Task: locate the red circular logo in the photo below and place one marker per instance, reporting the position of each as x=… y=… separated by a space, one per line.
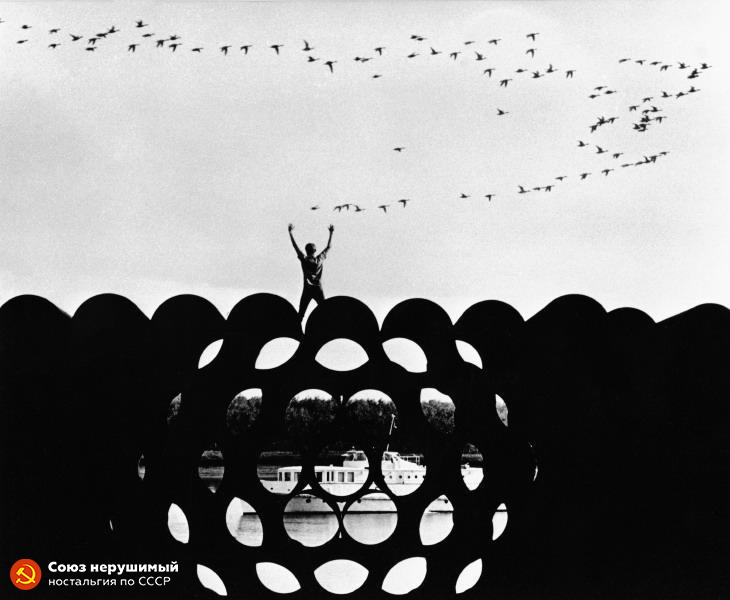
x=25 y=574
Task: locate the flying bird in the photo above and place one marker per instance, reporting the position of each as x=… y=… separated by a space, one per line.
x=399 y=148
x=245 y=48
x=384 y=207
x=413 y=55
x=75 y=38
x=26 y=26
x=379 y=50
x=307 y=47
x=606 y=171
x=488 y=71
x=159 y=43
x=54 y=46
x=561 y=177
x=174 y=46
x=276 y=47
x=523 y=190
x=617 y=154
x=469 y=42
x=112 y=29
x=495 y=41
x=132 y=47
x=501 y=112
x=463 y=196
x=531 y=52
x=504 y=82
x=141 y=23
x=311 y=58
x=581 y=144
x=224 y=49
x=330 y=64
x=21 y=41
x=532 y=36
x=600 y=150
x=435 y=52
x=376 y=76
x=569 y=73
x=489 y=196
x=454 y=55
x=404 y=201
x=198 y=50
x=584 y=175
x=54 y=30
x=623 y=60
x=314 y=207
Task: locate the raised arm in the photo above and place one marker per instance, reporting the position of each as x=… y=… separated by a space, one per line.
x=329 y=240
x=293 y=241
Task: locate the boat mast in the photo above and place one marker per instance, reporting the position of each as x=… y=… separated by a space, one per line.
x=392 y=424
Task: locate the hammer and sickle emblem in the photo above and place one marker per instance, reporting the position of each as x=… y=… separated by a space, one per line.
x=28 y=578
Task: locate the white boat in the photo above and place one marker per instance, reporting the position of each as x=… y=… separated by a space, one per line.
x=402 y=475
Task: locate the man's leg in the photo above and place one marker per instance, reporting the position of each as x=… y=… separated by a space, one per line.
x=304 y=302
x=317 y=294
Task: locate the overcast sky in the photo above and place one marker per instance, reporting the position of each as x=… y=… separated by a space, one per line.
x=155 y=173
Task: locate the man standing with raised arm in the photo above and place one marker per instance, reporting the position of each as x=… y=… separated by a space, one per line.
x=311 y=270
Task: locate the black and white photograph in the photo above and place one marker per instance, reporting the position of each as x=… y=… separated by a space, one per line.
x=365 y=299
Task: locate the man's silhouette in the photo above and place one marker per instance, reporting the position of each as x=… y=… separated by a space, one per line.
x=311 y=270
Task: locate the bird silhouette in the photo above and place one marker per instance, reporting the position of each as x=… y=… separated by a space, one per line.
x=623 y=60
x=633 y=107
x=146 y=35
x=488 y=71
x=532 y=36
x=132 y=47
x=54 y=46
x=469 y=43
x=307 y=47
x=384 y=207
x=21 y=41
x=531 y=52
x=330 y=64
x=90 y=48
x=561 y=177
x=112 y=29
x=224 y=49
x=245 y=48
x=521 y=70
x=399 y=148
x=159 y=43
x=75 y=38
x=495 y=41
x=174 y=46
x=376 y=76
x=26 y=26
x=92 y=41
x=174 y=37
x=379 y=50
x=454 y=55
x=435 y=52
x=523 y=190
x=197 y=49
x=479 y=56
x=463 y=196
x=276 y=47
x=683 y=65
x=413 y=55
x=648 y=99
x=54 y=30
x=600 y=150
x=338 y=208
x=617 y=154
x=358 y=209
x=584 y=175
x=404 y=201
x=316 y=207
x=569 y=73
x=311 y=58
x=548 y=188
x=664 y=67
x=640 y=61
x=537 y=75
x=581 y=144
x=606 y=171
x=504 y=82
x=489 y=196
x=501 y=112
x=550 y=69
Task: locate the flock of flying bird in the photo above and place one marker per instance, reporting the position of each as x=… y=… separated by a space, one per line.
x=647 y=117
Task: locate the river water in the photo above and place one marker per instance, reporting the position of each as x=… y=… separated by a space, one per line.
x=315 y=529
